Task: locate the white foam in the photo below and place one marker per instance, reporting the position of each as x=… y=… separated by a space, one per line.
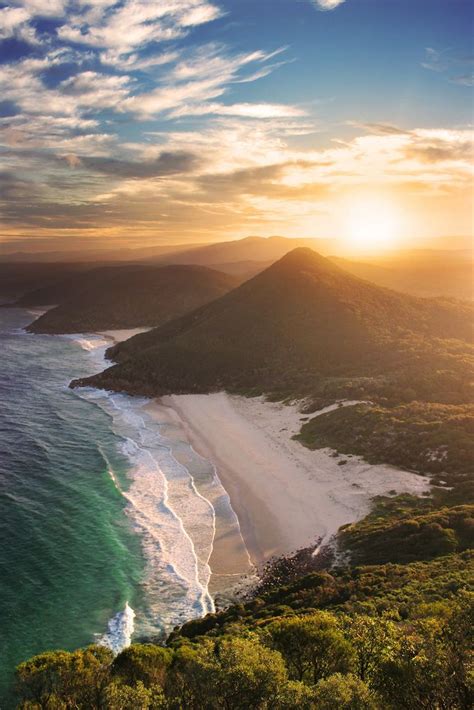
x=175 y=521
x=88 y=343
x=175 y=517
x=119 y=630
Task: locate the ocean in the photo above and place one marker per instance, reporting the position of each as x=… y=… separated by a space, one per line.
x=107 y=515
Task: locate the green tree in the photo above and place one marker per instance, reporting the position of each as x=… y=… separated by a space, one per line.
x=372 y=639
x=76 y=679
x=143 y=662
x=313 y=646
x=294 y=694
x=52 y=702
x=119 y=696
x=344 y=692
x=457 y=640
x=411 y=678
x=193 y=676
x=231 y=673
x=433 y=665
x=251 y=674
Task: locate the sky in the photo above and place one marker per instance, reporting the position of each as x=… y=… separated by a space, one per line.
x=144 y=122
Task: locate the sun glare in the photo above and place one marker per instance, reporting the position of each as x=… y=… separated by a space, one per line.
x=371 y=225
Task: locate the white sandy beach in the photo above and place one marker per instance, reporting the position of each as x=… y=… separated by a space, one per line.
x=285 y=495
x=118 y=336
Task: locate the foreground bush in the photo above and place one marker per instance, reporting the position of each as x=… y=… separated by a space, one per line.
x=317 y=659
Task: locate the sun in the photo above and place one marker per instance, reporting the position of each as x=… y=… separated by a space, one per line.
x=371 y=225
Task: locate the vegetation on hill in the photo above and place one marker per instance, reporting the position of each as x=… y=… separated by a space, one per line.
x=126 y=297
x=390 y=625
x=406 y=529
x=305 y=328
x=422 y=436
x=301 y=321
x=402 y=592
x=324 y=641
x=18 y=279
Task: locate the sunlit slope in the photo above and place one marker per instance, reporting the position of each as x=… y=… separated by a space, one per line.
x=421 y=273
x=300 y=320
x=128 y=297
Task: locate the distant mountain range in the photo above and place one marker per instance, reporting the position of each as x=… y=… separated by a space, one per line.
x=128 y=254
x=418 y=272
x=299 y=320
x=249 y=248
x=115 y=297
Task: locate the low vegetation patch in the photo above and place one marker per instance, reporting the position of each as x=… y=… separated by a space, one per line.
x=421 y=436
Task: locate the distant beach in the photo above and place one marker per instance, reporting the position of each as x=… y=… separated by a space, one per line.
x=117 y=336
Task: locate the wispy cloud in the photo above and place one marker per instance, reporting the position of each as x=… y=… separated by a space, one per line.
x=203 y=77
x=165 y=164
x=435 y=60
x=45 y=8
x=93 y=90
x=246 y=110
x=382 y=129
x=123 y=116
x=464 y=79
x=135 y=23
x=454 y=65
x=328 y=4
x=135 y=62
x=107 y=65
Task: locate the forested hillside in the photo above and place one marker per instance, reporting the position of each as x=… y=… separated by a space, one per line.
x=367 y=638
x=297 y=326
x=16 y=280
x=126 y=297
x=305 y=328
x=384 y=619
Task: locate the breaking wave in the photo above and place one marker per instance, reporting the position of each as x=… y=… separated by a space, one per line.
x=172 y=495
x=175 y=522
x=119 y=631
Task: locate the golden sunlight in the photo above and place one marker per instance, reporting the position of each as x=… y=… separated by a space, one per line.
x=371 y=225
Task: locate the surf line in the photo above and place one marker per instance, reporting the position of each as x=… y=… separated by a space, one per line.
x=136 y=450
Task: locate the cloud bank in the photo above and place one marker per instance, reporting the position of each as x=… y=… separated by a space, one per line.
x=124 y=119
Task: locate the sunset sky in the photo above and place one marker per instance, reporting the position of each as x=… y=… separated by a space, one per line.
x=158 y=121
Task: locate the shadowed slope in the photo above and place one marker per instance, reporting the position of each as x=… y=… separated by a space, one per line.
x=128 y=296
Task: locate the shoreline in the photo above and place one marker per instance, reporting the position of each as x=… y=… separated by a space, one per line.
x=283 y=496
x=286 y=496
x=229 y=560
x=121 y=334
x=248 y=505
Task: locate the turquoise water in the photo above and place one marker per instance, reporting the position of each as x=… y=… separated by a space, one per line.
x=69 y=559
x=102 y=503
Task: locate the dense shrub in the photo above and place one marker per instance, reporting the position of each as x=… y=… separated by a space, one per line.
x=313 y=660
